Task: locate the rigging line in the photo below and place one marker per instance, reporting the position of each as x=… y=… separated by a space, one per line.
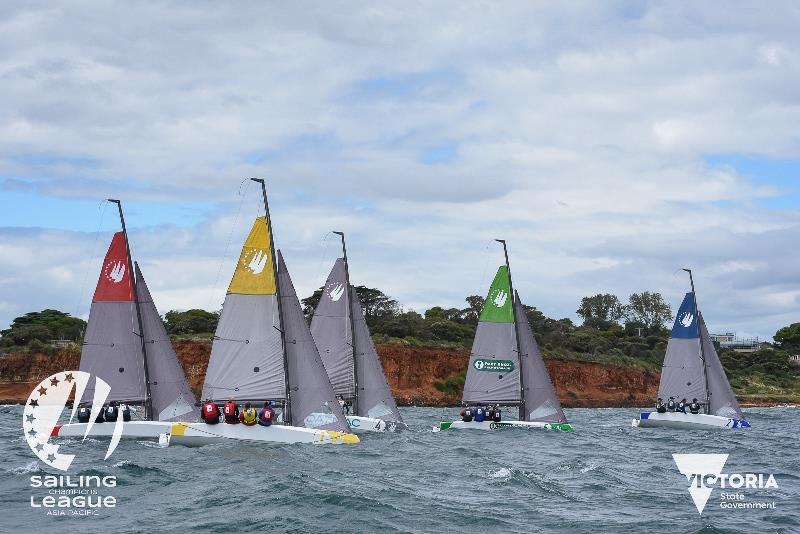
x=93 y=253
x=224 y=257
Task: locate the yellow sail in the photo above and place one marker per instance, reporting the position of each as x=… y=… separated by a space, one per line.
x=254 y=273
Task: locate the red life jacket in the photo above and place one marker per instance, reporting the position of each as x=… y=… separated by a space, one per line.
x=210 y=411
x=230 y=412
x=266 y=415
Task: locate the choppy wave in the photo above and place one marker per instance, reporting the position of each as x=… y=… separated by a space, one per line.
x=604 y=477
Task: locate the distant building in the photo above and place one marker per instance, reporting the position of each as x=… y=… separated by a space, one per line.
x=729 y=340
x=795 y=359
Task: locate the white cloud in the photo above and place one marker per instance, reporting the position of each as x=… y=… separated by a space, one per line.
x=579 y=132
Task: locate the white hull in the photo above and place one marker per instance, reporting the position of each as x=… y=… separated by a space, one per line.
x=687 y=421
x=194 y=434
x=361 y=425
x=491 y=425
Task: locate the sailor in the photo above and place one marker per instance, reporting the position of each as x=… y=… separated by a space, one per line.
x=101 y=416
x=480 y=413
x=210 y=412
x=231 y=412
x=671 y=404
x=660 y=408
x=125 y=410
x=466 y=414
x=682 y=405
x=343 y=404
x=248 y=416
x=694 y=407
x=266 y=415
x=84 y=413
x=490 y=412
x=496 y=415
x=111 y=413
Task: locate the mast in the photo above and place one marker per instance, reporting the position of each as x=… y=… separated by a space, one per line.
x=516 y=332
x=287 y=415
x=352 y=327
x=148 y=401
x=702 y=350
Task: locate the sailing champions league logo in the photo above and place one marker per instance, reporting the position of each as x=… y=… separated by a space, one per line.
x=704 y=473
x=499 y=298
x=255 y=261
x=686 y=319
x=45 y=405
x=115 y=271
x=335 y=291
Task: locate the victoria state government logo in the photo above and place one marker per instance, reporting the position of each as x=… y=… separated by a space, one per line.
x=45 y=405
x=704 y=473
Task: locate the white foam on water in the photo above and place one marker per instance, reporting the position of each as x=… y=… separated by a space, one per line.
x=590 y=467
x=503 y=472
x=31 y=467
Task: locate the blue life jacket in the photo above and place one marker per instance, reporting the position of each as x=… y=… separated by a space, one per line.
x=480 y=414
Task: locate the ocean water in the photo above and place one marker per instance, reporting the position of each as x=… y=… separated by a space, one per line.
x=605 y=477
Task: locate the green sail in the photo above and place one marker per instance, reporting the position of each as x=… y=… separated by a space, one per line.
x=497 y=308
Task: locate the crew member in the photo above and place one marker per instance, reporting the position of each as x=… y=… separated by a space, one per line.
x=101 y=416
x=479 y=413
x=466 y=414
x=231 y=412
x=660 y=408
x=111 y=413
x=671 y=404
x=694 y=407
x=266 y=415
x=84 y=414
x=125 y=410
x=248 y=416
x=682 y=406
x=210 y=412
x=496 y=415
x=490 y=413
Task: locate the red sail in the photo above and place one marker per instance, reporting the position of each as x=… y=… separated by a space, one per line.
x=115 y=277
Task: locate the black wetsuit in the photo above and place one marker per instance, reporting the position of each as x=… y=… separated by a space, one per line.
x=84 y=414
x=694 y=408
x=111 y=414
x=671 y=405
x=660 y=408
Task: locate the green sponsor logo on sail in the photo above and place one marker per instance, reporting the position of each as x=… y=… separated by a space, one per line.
x=494 y=366
x=497 y=307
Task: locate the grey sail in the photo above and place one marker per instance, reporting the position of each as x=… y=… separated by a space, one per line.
x=721 y=399
x=111 y=348
x=541 y=401
x=374 y=396
x=330 y=328
x=172 y=398
x=313 y=402
x=493 y=372
x=246 y=355
x=682 y=374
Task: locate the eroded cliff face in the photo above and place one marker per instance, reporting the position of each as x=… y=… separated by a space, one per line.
x=411 y=372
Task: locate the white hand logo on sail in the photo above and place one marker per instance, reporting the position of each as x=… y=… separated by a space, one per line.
x=258 y=260
x=500 y=298
x=686 y=320
x=337 y=292
x=117 y=271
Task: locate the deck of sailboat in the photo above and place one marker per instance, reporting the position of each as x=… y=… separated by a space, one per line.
x=687 y=421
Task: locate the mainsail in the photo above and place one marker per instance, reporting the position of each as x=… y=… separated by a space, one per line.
x=541 y=401
x=493 y=373
x=246 y=355
x=690 y=371
x=313 y=402
x=172 y=399
x=351 y=359
x=111 y=348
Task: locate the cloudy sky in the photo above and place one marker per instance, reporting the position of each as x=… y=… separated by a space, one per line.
x=611 y=144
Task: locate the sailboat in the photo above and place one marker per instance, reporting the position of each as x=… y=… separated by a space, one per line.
x=506 y=366
x=692 y=370
x=351 y=361
x=263 y=350
x=126 y=345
